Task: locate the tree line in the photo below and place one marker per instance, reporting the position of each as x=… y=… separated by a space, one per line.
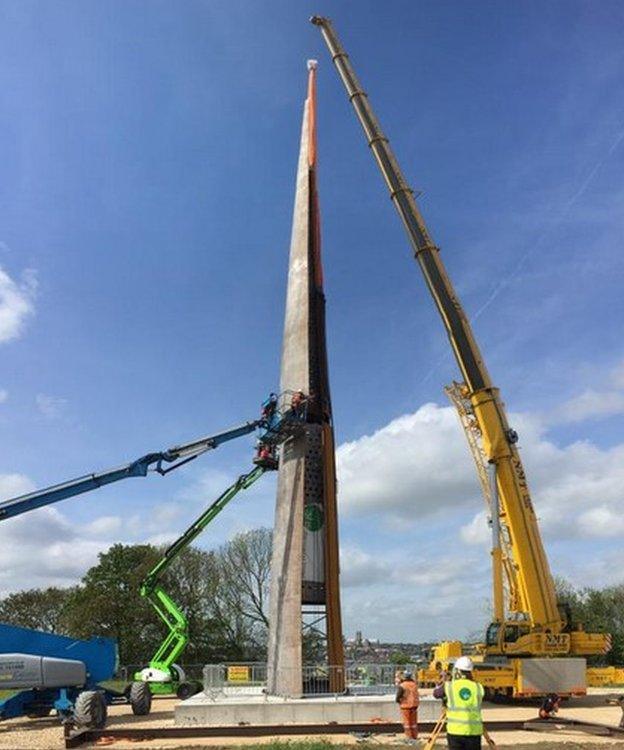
x=598 y=611
x=224 y=594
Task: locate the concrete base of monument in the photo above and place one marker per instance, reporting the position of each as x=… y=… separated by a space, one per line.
x=266 y=710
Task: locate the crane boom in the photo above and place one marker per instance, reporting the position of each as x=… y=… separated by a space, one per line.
x=536 y=588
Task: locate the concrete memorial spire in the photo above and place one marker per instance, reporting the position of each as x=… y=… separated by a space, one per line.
x=304 y=567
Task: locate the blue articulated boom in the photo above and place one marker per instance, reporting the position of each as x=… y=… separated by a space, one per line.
x=271 y=424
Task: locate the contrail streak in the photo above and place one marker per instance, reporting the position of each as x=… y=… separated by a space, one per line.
x=565 y=210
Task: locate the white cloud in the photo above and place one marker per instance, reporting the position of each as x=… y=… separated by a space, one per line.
x=617 y=376
x=158 y=540
x=359 y=568
x=601 y=522
x=476 y=531
x=409 y=595
x=415 y=466
x=104 y=525
x=42 y=548
x=52 y=407
x=419 y=464
x=605 y=401
x=12 y=485
x=4 y=394
x=591 y=404
x=16 y=303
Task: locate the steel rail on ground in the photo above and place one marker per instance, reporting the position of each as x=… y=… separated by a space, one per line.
x=145 y=734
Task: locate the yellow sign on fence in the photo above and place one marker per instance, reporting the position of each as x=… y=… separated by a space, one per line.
x=238 y=674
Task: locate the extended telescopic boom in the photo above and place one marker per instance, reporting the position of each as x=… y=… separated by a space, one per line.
x=273 y=424
x=139 y=468
x=537 y=592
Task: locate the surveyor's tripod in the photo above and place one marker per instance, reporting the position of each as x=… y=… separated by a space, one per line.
x=437 y=731
x=439 y=727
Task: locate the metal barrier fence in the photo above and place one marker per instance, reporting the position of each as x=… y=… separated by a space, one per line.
x=251 y=679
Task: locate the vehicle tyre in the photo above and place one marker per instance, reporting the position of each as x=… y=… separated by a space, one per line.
x=90 y=709
x=185 y=690
x=140 y=697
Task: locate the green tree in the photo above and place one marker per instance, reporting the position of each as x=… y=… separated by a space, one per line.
x=201 y=583
x=39 y=609
x=399 y=657
x=108 y=602
x=603 y=612
x=241 y=599
x=598 y=611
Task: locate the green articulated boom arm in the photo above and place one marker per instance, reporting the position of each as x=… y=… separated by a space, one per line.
x=167 y=609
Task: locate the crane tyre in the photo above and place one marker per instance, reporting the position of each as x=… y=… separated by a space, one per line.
x=90 y=709
x=140 y=698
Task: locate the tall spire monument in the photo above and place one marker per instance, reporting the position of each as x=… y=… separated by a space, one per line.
x=305 y=595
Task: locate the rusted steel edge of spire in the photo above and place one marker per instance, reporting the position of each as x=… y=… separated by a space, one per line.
x=312 y=65
x=335 y=651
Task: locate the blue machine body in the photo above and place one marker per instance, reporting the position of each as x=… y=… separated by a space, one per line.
x=98 y=654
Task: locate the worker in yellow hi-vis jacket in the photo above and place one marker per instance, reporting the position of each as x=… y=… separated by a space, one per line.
x=463 y=697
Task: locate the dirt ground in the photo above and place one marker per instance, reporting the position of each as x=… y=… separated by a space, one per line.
x=47 y=734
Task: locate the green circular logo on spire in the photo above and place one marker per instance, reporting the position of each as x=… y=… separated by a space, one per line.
x=313 y=517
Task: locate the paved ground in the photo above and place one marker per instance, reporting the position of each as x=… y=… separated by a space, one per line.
x=46 y=734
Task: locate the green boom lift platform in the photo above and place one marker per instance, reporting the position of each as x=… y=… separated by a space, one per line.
x=163 y=674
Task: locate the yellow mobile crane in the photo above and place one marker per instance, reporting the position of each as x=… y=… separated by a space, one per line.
x=505 y=596
x=530 y=623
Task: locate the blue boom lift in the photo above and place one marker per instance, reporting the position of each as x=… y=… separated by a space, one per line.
x=273 y=425
x=52 y=671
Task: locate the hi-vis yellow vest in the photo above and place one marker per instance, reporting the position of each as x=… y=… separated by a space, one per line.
x=463 y=707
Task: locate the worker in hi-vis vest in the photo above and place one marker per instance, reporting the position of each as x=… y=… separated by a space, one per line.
x=408 y=699
x=463 y=697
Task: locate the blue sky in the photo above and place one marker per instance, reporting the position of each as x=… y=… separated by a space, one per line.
x=148 y=153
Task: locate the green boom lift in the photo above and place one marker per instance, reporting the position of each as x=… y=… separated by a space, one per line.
x=162 y=674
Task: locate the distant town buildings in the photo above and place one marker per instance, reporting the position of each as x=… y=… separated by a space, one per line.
x=373 y=651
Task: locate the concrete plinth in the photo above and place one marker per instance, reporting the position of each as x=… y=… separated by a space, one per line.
x=201 y=710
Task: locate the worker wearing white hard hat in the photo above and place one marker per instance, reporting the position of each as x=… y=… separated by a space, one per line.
x=463 y=697
x=464 y=664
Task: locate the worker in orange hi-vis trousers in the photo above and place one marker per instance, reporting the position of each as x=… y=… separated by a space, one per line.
x=408 y=699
